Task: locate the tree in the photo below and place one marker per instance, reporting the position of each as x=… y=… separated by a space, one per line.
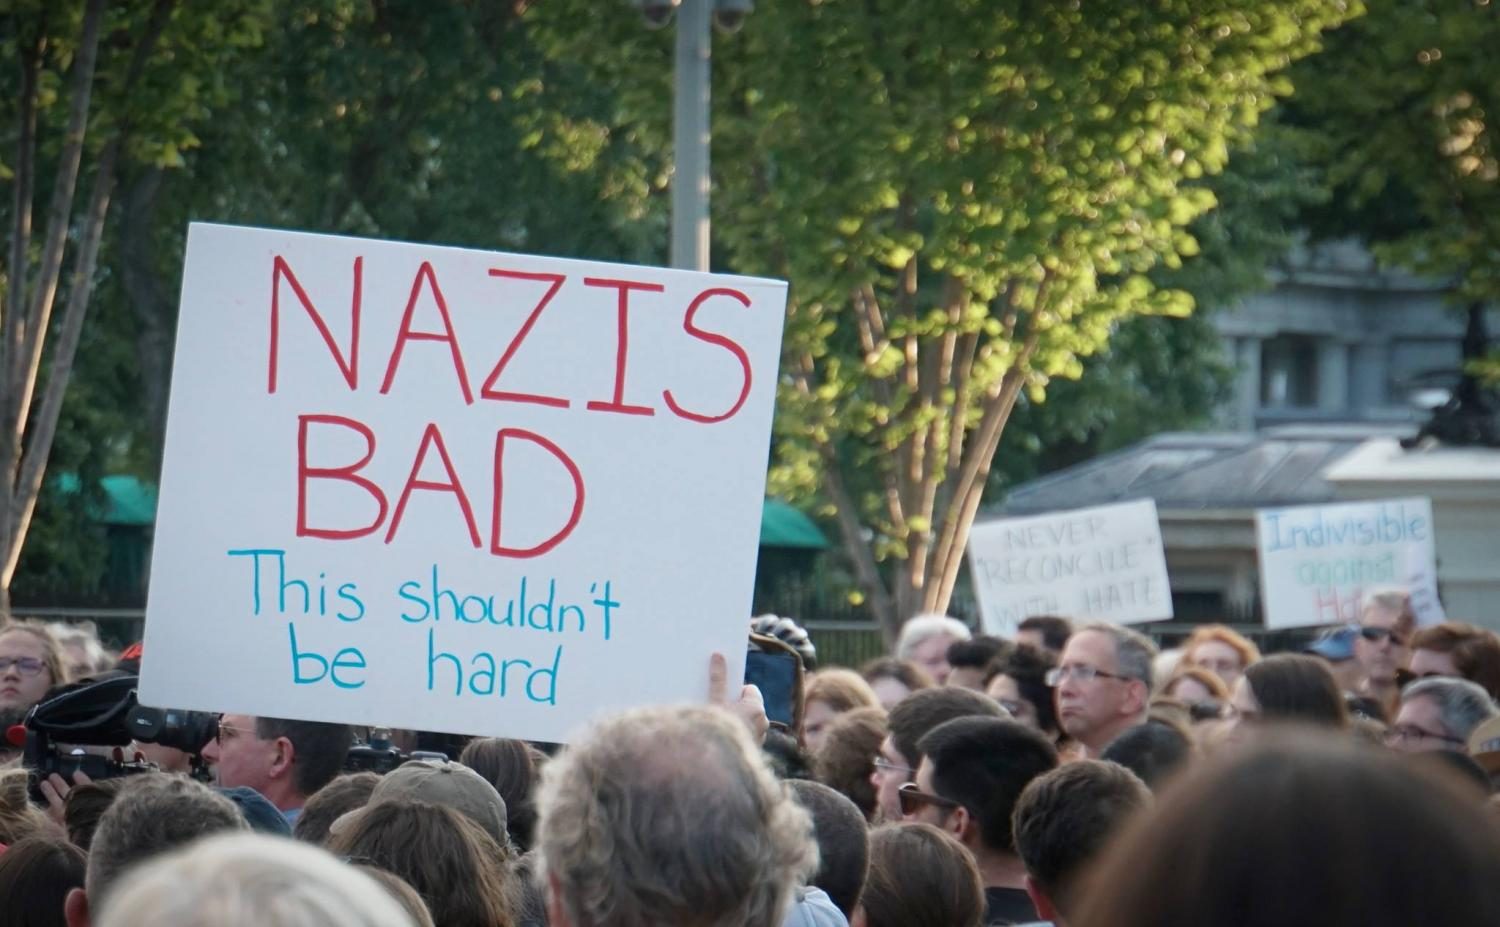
x=91 y=93
x=967 y=202
x=1406 y=113
x=1169 y=373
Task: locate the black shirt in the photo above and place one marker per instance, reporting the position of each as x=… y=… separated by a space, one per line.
x=1006 y=906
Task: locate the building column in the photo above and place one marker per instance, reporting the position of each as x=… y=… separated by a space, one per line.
x=1247 y=381
x=1333 y=376
x=1369 y=374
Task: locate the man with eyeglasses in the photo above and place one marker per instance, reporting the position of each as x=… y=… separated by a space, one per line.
x=1382 y=648
x=1439 y=714
x=1102 y=684
x=285 y=761
x=900 y=753
x=972 y=774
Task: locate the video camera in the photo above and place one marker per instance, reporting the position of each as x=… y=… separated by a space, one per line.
x=104 y=712
x=378 y=755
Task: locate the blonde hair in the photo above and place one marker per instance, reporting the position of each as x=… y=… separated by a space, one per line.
x=1393 y=599
x=19 y=818
x=86 y=635
x=240 y=880
x=51 y=648
x=840 y=689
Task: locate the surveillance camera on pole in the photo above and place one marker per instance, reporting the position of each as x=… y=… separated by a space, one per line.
x=656 y=13
x=729 y=15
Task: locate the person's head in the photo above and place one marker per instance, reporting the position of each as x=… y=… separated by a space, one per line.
x=1462 y=650
x=669 y=817
x=973 y=772
x=439 y=782
x=82 y=653
x=85 y=807
x=1287 y=832
x=893 y=680
x=843 y=842
x=1193 y=685
x=1383 y=647
x=451 y=862
x=1063 y=822
x=151 y=815
x=1018 y=681
x=286 y=761
x=30 y=664
x=901 y=753
x=1047 y=633
x=845 y=762
x=1220 y=650
x=1155 y=752
x=924 y=641
x=830 y=693
x=1289 y=688
x=920 y=876
x=968 y=660
x=509 y=766
x=331 y=802
x=1102 y=684
x=19 y=818
x=36 y=876
x=1439 y=713
x=250 y=880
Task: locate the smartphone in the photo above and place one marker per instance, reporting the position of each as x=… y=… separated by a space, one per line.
x=775 y=674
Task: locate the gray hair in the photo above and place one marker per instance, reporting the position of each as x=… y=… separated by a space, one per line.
x=251 y=880
x=918 y=629
x=1134 y=651
x=154 y=813
x=1462 y=705
x=671 y=817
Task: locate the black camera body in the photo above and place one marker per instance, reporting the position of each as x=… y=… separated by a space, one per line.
x=378 y=755
x=104 y=712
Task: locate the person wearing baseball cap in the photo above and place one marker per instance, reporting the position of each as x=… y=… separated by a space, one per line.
x=439 y=782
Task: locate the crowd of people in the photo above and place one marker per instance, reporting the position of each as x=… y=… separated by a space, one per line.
x=1073 y=775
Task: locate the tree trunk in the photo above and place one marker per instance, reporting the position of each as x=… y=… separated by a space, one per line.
x=26 y=321
x=149 y=300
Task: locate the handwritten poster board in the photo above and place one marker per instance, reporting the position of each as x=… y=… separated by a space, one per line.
x=1317 y=561
x=454 y=490
x=1096 y=564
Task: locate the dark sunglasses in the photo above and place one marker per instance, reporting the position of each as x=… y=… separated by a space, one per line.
x=913 y=799
x=1376 y=635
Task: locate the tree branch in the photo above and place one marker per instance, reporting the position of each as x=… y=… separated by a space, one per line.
x=946 y=565
x=34 y=462
x=28 y=359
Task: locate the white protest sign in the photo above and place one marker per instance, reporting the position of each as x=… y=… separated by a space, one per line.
x=454 y=490
x=1097 y=564
x=1317 y=561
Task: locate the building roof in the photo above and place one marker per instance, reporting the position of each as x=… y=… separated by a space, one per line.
x=1199 y=471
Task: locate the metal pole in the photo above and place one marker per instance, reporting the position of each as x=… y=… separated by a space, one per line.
x=690 y=136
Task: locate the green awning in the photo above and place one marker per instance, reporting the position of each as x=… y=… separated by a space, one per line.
x=128 y=501
x=781 y=525
x=131 y=502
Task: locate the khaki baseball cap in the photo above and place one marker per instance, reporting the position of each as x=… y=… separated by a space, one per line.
x=1484 y=745
x=439 y=782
